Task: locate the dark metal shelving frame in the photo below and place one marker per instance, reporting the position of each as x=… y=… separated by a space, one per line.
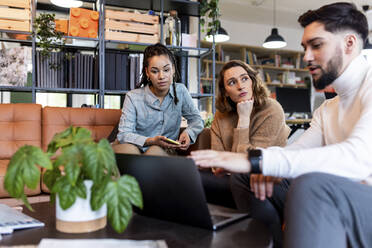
x=183 y=7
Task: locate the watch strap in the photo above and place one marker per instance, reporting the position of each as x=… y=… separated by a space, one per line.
x=255 y=159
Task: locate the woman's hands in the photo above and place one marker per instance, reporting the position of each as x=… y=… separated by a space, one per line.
x=161 y=141
x=244 y=110
x=185 y=141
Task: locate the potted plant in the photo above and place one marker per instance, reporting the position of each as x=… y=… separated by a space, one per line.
x=73 y=159
x=210 y=14
x=48 y=38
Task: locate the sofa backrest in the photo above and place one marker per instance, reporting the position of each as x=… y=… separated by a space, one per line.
x=16 y=121
x=20 y=124
x=99 y=121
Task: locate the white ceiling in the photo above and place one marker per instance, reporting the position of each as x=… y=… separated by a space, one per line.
x=261 y=11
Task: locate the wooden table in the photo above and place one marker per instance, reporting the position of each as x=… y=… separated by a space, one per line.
x=246 y=233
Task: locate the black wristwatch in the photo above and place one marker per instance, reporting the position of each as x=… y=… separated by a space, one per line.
x=255 y=158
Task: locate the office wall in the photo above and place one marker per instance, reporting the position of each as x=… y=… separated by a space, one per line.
x=254 y=34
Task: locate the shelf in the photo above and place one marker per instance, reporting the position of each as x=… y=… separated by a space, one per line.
x=286 y=85
x=270 y=84
x=256 y=49
x=269 y=67
x=15 y=39
x=15 y=88
x=200 y=95
x=183 y=7
x=67 y=90
x=26 y=42
x=14 y=31
x=81 y=38
x=116 y=92
x=128 y=42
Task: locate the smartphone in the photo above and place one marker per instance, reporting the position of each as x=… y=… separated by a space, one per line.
x=172 y=141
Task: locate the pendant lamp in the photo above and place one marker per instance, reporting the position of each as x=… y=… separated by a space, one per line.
x=67 y=3
x=220 y=36
x=274 y=40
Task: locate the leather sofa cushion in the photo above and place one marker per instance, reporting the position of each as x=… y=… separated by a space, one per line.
x=20 y=124
x=99 y=121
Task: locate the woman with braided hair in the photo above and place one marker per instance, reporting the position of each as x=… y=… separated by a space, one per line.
x=153 y=112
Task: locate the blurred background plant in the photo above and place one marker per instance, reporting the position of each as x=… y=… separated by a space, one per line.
x=209 y=15
x=208 y=121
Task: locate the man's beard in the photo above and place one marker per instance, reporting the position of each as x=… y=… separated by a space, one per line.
x=327 y=77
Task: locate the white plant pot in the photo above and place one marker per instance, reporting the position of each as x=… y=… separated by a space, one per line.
x=80 y=218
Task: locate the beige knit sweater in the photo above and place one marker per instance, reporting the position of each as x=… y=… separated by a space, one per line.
x=267 y=128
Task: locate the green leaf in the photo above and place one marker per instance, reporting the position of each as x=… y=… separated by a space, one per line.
x=67 y=193
x=70 y=136
x=99 y=160
x=130 y=187
x=98 y=194
x=120 y=195
x=71 y=158
x=119 y=210
x=92 y=168
x=80 y=189
x=51 y=176
x=23 y=170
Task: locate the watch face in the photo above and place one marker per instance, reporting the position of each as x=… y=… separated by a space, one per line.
x=255 y=153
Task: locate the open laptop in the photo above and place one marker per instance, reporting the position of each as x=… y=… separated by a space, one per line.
x=172 y=190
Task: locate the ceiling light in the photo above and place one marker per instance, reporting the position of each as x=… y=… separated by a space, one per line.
x=67 y=3
x=220 y=36
x=274 y=40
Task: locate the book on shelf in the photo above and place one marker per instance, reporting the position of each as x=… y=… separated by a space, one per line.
x=50 y=70
x=249 y=58
x=298 y=61
x=116 y=70
x=278 y=60
x=267 y=77
x=261 y=73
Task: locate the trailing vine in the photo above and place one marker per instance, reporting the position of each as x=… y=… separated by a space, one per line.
x=209 y=15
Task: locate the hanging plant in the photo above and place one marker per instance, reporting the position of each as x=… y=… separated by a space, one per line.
x=209 y=15
x=49 y=39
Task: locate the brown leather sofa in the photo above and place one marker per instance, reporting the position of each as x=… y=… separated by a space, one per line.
x=31 y=124
x=25 y=123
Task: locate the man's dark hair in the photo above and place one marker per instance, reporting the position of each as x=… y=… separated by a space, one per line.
x=338 y=17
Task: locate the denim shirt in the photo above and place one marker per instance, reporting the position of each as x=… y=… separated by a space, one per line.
x=143 y=116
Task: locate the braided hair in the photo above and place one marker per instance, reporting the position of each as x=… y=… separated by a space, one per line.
x=157 y=50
